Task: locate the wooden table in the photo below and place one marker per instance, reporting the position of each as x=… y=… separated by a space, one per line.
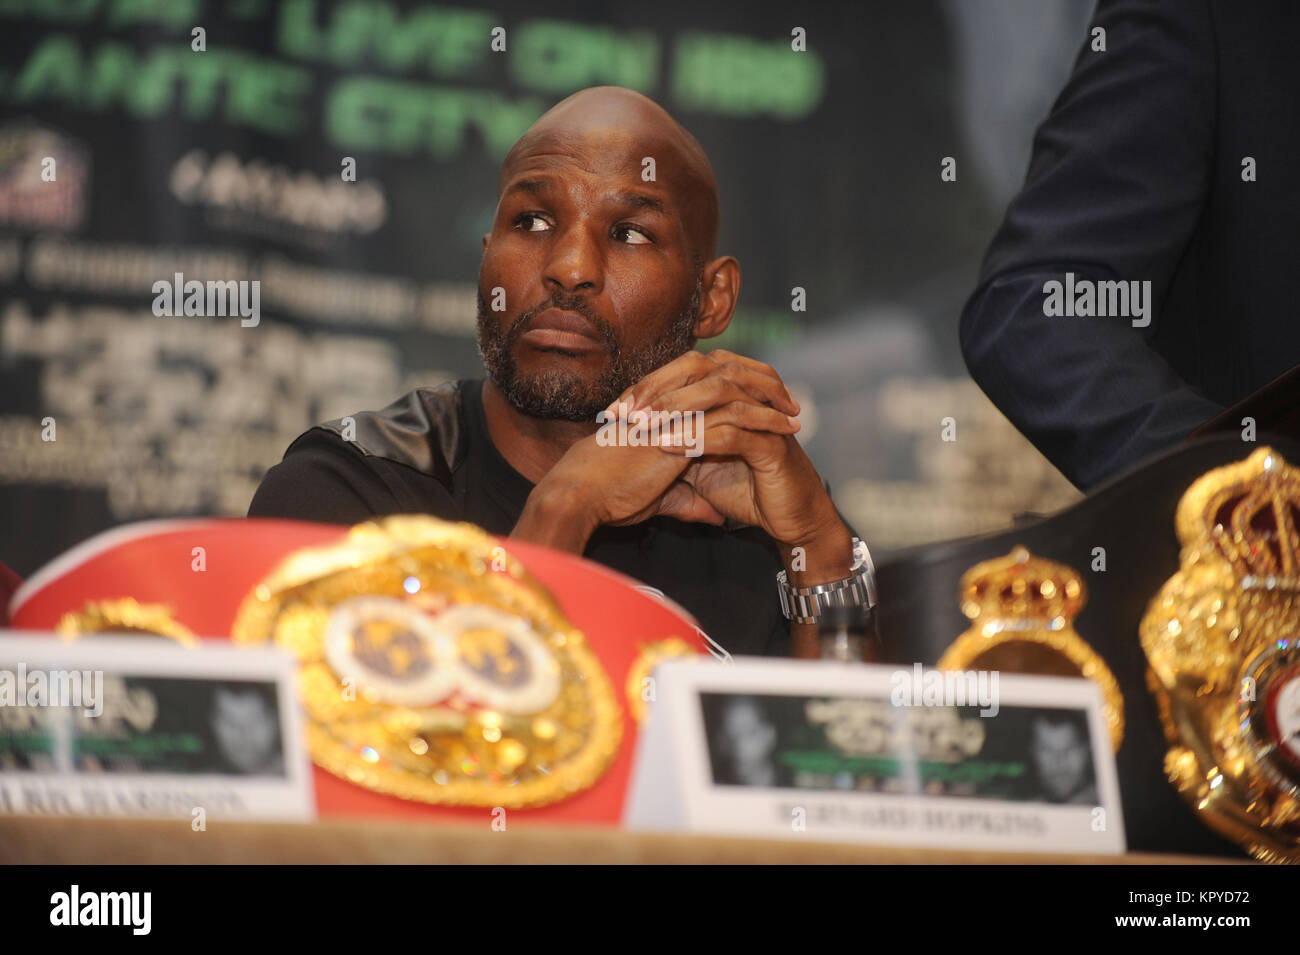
x=84 y=841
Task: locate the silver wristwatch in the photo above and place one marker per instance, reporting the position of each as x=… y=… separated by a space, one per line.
x=808 y=604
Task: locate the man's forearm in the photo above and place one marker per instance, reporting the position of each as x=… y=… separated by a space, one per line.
x=555 y=518
x=1090 y=394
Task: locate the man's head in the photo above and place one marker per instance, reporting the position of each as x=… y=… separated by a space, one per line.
x=245 y=728
x=1061 y=755
x=749 y=737
x=605 y=272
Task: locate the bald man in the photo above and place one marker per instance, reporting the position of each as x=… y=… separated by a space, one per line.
x=595 y=285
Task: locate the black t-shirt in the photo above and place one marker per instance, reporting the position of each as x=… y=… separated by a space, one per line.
x=430 y=453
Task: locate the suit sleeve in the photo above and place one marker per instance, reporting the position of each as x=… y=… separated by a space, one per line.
x=325 y=479
x=1118 y=178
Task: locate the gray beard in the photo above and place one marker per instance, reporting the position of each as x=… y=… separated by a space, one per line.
x=564 y=395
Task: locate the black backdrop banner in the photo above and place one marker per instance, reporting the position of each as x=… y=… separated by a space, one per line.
x=344 y=156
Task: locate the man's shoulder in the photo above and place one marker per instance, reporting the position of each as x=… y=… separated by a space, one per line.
x=424 y=430
x=371 y=463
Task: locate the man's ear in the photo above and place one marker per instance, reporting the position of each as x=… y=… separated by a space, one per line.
x=486 y=237
x=718 y=301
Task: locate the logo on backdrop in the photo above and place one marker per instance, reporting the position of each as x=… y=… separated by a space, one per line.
x=44 y=179
x=257 y=197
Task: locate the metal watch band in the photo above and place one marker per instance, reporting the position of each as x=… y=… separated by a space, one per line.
x=808 y=604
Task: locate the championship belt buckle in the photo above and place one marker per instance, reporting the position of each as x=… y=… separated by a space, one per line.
x=432 y=667
x=1022 y=609
x=1221 y=640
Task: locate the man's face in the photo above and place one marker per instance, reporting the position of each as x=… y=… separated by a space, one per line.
x=600 y=283
x=245 y=729
x=1062 y=758
x=751 y=736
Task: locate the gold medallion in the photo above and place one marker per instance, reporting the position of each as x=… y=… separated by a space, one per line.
x=1022 y=611
x=433 y=667
x=1221 y=641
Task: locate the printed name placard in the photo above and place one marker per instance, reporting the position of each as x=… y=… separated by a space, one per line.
x=877 y=754
x=127 y=726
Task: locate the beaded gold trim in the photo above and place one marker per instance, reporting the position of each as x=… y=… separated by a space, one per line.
x=651 y=655
x=125 y=616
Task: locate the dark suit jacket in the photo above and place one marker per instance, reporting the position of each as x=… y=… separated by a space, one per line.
x=1137 y=175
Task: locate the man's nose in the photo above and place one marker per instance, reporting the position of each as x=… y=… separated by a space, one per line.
x=575 y=263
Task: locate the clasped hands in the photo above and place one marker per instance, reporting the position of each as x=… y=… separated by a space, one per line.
x=744 y=465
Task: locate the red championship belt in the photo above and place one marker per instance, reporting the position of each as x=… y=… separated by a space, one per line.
x=443 y=672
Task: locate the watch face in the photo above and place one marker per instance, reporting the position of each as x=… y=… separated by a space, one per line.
x=862 y=563
x=1270 y=712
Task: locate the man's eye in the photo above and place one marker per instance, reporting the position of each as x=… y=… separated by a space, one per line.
x=631 y=235
x=532 y=222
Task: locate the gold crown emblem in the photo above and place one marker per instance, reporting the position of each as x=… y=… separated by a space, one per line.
x=1248 y=513
x=1022 y=611
x=1238 y=576
x=1022 y=588
x=1220 y=638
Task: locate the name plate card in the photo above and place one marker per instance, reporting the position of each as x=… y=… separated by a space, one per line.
x=126 y=726
x=877 y=754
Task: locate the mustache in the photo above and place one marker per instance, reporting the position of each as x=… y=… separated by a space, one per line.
x=568 y=303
